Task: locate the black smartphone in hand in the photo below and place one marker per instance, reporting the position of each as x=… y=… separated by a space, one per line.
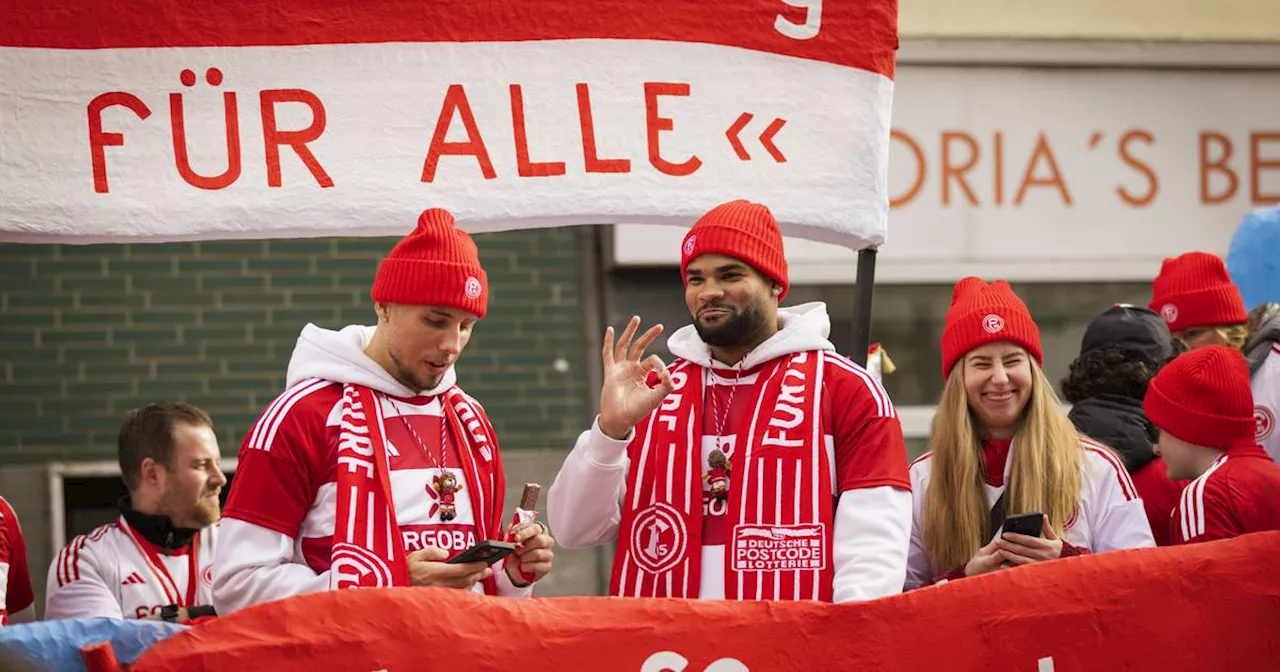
x=1029 y=524
x=487 y=551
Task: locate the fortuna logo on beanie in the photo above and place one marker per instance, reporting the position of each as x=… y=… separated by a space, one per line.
x=983 y=313
x=1194 y=290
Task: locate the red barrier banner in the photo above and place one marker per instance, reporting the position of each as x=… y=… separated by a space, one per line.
x=1213 y=606
x=168 y=120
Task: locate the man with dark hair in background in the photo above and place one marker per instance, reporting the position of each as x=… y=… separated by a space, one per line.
x=154 y=561
x=1122 y=350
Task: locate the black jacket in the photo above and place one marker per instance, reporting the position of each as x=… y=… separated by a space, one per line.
x=158 y=530
x=1120 y=423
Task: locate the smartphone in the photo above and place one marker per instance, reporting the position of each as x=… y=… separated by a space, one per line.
x=1029 y=524
x=487 y=551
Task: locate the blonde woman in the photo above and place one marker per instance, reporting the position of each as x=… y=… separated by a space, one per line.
x=1201 y=306
x=1001 y=446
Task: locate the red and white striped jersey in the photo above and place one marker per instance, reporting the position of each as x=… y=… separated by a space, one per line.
x=115 y=572
x=15 y=579
x=1110 y=517
x=1238 y=494
x=857 y=410
x=286 y=478
x=1266 y=403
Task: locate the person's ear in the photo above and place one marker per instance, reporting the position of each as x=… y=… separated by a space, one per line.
x=149 y=471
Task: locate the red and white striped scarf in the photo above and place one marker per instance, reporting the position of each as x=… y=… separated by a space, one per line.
x=780 y=502
x=368 y=551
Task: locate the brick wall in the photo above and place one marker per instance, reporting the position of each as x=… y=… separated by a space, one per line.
x=89 y=332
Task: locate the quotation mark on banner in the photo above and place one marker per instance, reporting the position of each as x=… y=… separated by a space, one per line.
x=766 y=138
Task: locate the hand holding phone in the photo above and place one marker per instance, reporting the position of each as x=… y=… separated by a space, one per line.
x=1037 y=541
x=429 y=566
x=487 y=551
x=1029 y=524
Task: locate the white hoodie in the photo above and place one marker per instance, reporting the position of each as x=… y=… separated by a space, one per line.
x=872 y=524
x=339 y=356
x=255 y=563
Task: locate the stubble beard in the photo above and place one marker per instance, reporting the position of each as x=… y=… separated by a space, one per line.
x=206 y=512
x=409 y=378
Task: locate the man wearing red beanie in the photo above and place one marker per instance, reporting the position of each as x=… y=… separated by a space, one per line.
x=1202 y=405
x=761 y=465
x=1203 y=307
x=374 y=468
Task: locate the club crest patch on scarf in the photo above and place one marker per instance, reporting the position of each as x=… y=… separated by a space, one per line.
x=659 y=538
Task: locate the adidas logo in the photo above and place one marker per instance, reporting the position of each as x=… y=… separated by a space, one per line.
x=134 y=579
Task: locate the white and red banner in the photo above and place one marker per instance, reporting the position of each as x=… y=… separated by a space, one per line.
x=166 y=120
x=1066 y=174
x=1212 y=606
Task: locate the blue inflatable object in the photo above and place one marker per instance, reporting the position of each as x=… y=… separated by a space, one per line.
x=55 y=645
x=1254 y=258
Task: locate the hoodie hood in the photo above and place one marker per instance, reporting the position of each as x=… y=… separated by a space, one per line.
x=804 y=327
x=339 y=356
x=1119 y=423
x=1264 y=330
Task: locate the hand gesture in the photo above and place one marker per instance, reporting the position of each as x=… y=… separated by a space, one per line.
x=532 y=558
x=625 y=396
x=987 y=559
x=427 y=567
x=1019 y=549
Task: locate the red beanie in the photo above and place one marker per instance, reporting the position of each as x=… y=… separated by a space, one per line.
x=1194 y=290
x=742 y=230
x=984 y=313
x=1203 y=397
x=435 y=265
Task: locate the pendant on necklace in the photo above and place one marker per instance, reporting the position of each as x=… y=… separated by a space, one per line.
x=718 y=474
x=444 y=485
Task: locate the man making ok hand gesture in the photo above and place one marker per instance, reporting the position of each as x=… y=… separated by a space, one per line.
x=626 y=396
x=761 y=465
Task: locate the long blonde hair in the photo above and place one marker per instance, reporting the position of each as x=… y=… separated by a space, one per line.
x=1045 y=475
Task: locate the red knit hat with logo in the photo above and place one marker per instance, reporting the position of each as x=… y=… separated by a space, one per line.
x=1194 y=290
x=983 y=313
x=437 y=264
x=1203 y=397
x=742 y=230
